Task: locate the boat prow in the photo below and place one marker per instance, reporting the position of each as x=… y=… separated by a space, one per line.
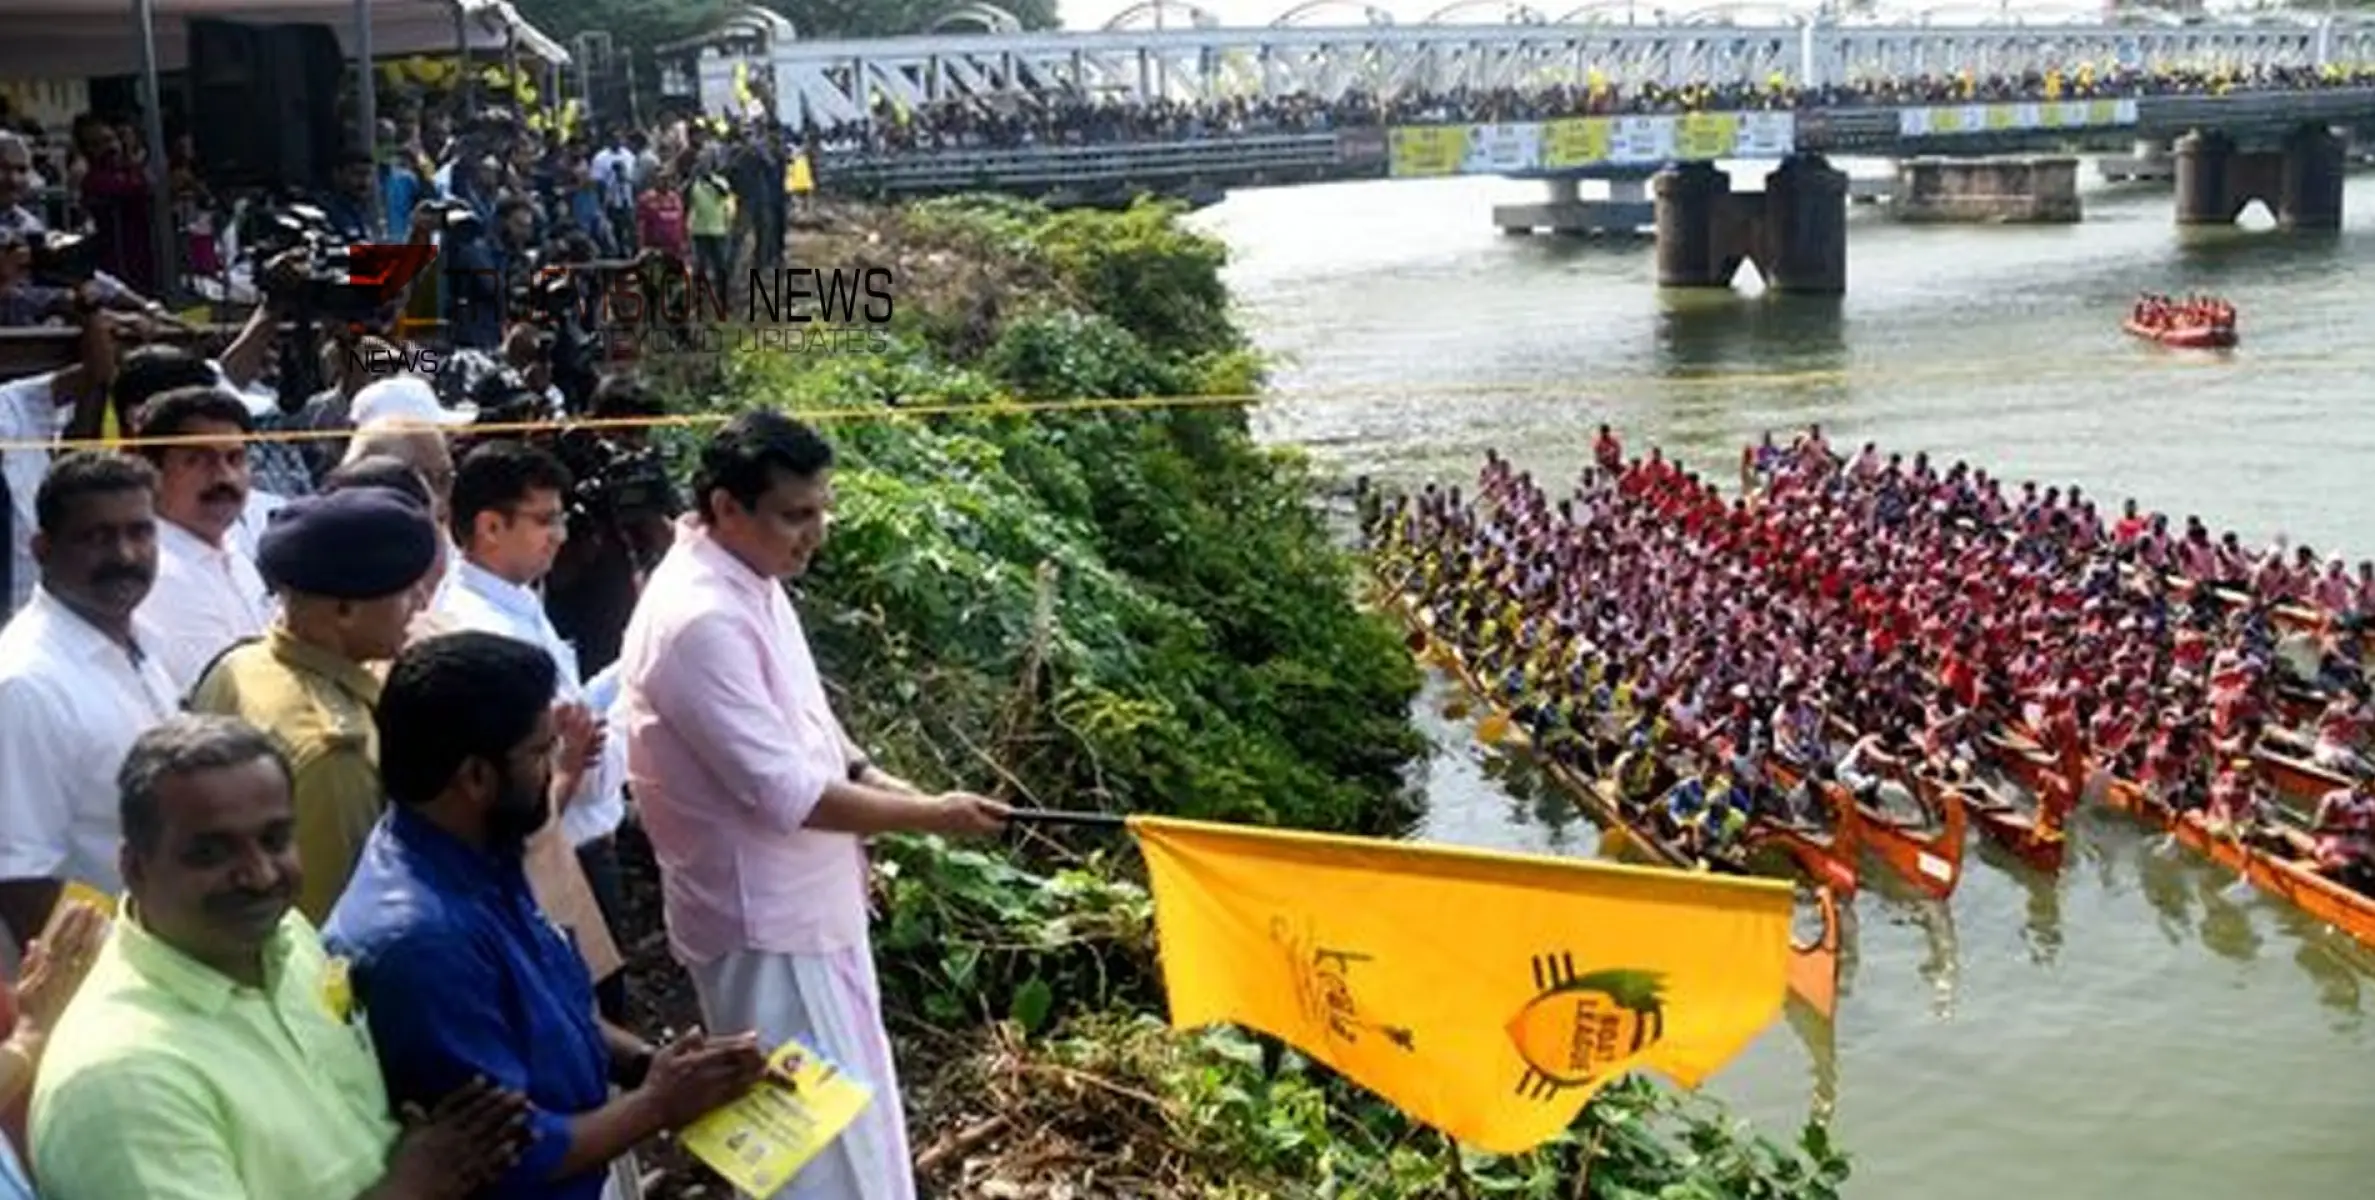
x=1814 y=966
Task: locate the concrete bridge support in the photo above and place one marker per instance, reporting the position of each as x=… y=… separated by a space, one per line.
x=2300 y=181
x=1795 y=231
x=1988 y=191
x=2150 y=163
x=1626 y=210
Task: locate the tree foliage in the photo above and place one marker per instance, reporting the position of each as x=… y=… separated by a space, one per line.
x=1134 y=608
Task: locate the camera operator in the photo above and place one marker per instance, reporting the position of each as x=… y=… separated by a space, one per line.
x=16 y=180
x=352 y=202
x=620 y=523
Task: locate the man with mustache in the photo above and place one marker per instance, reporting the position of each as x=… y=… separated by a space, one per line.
x=208 y=595
x=459 y=971
x=214 y=1050
x=346 y=566
x=78 y=681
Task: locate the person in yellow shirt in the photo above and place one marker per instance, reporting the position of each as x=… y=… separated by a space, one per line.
x=215 y=1049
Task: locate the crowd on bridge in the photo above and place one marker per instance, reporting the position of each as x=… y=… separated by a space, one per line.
x=1078 y=119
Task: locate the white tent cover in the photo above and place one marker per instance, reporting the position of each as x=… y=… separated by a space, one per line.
x=74 y=39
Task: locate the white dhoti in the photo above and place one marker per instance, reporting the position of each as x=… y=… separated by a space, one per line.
x=832 y=1003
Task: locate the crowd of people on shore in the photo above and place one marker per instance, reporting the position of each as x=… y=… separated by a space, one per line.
x=341 y=704
x=1909 y=612
x=1082 y=120
x=501 y=195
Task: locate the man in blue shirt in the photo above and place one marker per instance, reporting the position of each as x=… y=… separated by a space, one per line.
x=459 y=973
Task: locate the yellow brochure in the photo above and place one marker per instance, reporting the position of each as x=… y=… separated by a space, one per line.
x=761 y=1141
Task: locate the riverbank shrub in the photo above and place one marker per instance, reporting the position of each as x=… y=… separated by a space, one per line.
x=1131 y=608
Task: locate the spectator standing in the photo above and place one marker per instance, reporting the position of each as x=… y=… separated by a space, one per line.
x=459 y=972
x=755 y=799
x=208 y=594
x=214 y=1050
x=347 y=566
x=78 y=682
x=511 y=517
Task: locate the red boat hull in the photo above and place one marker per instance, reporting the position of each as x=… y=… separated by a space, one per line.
x=2185 y=337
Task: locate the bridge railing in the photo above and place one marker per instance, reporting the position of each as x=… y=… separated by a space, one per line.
x=1587 y=145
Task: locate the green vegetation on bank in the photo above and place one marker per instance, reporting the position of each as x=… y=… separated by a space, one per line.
x=1135 y=610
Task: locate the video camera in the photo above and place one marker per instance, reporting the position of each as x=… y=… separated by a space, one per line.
x=63 y=260
x=616 y=483
x=303 y=262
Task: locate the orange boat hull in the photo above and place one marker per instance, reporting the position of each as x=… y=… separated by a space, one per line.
x=1932 y=863
x=2030 y=837
x=2290 y=881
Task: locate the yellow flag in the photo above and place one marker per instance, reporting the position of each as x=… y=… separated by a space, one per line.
x=1488 y=995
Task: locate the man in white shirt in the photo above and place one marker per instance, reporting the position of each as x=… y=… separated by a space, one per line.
x=36 y=409
x=208 y=595
x=77 y=684
x=510 y=515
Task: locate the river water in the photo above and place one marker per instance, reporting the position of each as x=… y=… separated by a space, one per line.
x=2136 y=1027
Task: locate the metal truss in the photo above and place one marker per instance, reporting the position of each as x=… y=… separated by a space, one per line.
x=1167 y=49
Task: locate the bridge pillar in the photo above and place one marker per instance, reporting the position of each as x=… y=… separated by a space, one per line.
x=1795 y=230
x=2309 y=192
x=2300 y=182
x=1697 y=245
x=1805 y=228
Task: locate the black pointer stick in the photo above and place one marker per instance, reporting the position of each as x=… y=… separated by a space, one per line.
x=1050 y=816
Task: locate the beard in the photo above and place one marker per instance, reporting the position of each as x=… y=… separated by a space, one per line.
x=519 y=811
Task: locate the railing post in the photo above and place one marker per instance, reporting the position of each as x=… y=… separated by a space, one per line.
x=2325 y=41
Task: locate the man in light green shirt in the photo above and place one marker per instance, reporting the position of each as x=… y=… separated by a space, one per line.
x=214 y=1052
x=709 y=216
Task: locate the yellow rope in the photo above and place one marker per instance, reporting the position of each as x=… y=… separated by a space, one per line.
x=2088 y=369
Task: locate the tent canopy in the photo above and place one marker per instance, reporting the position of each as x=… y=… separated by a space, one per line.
x=74 y=39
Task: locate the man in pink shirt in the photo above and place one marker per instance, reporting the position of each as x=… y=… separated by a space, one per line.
x=755 y=799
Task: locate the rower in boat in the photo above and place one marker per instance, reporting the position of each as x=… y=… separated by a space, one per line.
x=2237 y=801
x=2344 y=829
x=2341 y=730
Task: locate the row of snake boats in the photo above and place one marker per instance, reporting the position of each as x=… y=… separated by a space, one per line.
x=1923 y=853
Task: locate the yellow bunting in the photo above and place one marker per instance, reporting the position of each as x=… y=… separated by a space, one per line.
x=1487 y=995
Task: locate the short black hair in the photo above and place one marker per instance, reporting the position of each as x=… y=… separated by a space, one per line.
x=624 y=395
x=746 y=453
x=455 y=697
x=381 y=471
x=170 y=414
x=496 y=475
x=180 y=745
x=154 y=370
x=87 y=473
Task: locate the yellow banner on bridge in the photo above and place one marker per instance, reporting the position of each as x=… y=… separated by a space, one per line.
x=1705 y=136
x=1419 y=151
x=1575 y=142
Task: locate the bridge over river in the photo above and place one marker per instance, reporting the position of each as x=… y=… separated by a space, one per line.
x=1794 y=94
